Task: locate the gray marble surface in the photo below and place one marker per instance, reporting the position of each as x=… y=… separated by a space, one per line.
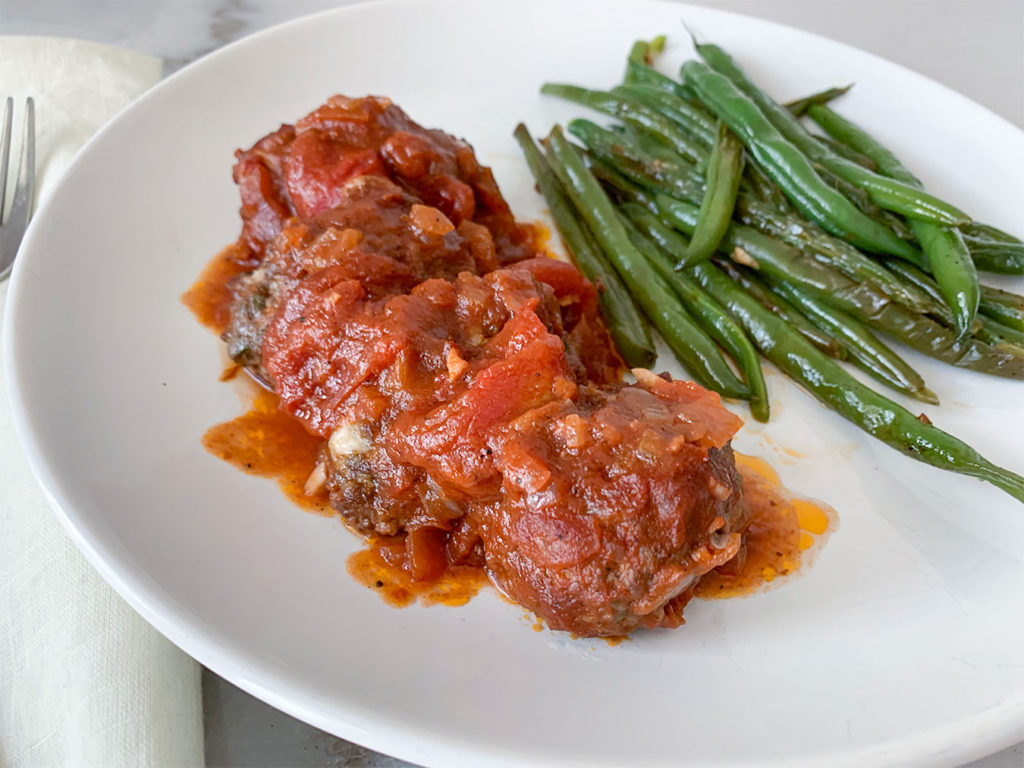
x=974 y=46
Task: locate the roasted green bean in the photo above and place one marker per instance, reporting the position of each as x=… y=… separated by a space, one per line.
x=994 y=250
x=948 y=258
x=889 y=193
x=788 y=167
x=1007 y=308
x=826 y=380
x=691 y=345
x=798 y=107
x=863 y=348
x=691 y=118
x=779 y=261
x=630 y=111
x=625 y=323
x=725 y=169
x=674 y=176
x=715 y=320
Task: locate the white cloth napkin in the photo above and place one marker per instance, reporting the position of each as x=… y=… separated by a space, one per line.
x=84 y=681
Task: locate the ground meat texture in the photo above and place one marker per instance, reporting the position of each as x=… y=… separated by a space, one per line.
x=469 y=396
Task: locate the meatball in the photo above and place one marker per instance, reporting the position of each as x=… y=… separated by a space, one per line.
x=597 y=505
x=301 y=170
x=405 y=387
x=614 y=506
x=375 y=235
x=468 y=394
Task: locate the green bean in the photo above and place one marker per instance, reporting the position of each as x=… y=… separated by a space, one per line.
x=749 y=280
x=645 y=84
x=640 y=72
x=798 y=107
x=1003 y=334
x=918 y=331
x=639 y=53
x=661 y=173
x=863 y=348
x=630 y=111
x=850 y=154
x=673 y=175
x=723 y=183
x=657 y=215
x=862 y=200
x=656 y=45
x=616 y=184
x=950 y=261
x=645 y=75
x=690 y=344
x=985 y=244
x=935 y=340
x=674 y=244
x=754 y=249
x=987 y=332
x=953 y=269
x=788 y=167
x=837 y=253
x=977 y=230
x=802 y=235
x=863 y=300
x=993 y=250
x=712 y=318
x=767 y=190
x=828 y=382
x=650 y=143
x=626 y=325
x=894 y=195
x=997 y=260
x=852 y=135
x=661 y=160
x=1007 y=308
x=691 y=118
x=927 y=285
x=642 y=52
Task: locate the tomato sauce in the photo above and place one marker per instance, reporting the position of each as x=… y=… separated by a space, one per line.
x=456 y=398
x=378 y=567
x=776 y=544
x=267 y=442
x=209 y=298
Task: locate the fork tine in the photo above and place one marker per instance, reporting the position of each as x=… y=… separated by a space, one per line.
x=21 y=203
x=5 y=151
x=12 y=230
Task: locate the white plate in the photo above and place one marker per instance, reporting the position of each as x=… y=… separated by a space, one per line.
x=903 y=644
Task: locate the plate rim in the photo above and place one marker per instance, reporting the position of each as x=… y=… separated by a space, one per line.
x=989 y=730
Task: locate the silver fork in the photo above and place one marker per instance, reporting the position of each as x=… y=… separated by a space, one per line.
x=20 y=209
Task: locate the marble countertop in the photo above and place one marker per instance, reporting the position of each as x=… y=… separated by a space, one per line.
x=974 y=46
